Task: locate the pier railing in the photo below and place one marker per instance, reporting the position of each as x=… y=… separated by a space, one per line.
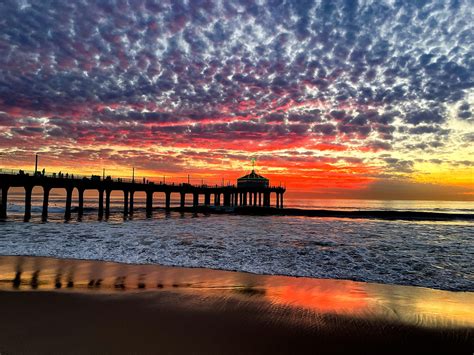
x=171 y=181
x=232 y=195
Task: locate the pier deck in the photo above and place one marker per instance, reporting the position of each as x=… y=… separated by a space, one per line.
x=224 y=195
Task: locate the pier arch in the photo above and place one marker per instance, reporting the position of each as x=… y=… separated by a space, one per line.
x=93 y=192
x=118 y=201
x=175 y=199
x=158 y=199
x=139 y=201
x=12 y=201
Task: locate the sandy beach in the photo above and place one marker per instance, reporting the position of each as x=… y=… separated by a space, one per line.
x=70 y=306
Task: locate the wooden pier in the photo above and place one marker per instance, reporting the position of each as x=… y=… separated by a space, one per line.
x=224 y=196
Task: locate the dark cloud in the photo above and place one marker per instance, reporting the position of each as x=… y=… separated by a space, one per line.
x=379 y=145
x=274 y=117
x=234 y=69
x=326 y=129
x=397 y=165
x=469 y=137
x=428 y=129
x=465 y=111
x=425 y=116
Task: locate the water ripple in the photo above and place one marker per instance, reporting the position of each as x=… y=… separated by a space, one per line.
x=431 y=254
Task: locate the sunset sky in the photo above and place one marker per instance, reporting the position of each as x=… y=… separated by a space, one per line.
x=364 y=99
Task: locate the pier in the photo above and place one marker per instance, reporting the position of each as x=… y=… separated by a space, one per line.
x=225 y=196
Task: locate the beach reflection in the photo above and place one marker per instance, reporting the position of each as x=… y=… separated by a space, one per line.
x=409 y=305
x=328 y=296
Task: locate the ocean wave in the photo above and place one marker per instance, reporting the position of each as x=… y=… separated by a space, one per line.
x=14 y=208
x=434 y=254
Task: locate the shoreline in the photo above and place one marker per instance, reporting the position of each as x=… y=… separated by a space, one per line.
x=389 y=215
x=96 y=307
x=365 y=214
x=217 y=270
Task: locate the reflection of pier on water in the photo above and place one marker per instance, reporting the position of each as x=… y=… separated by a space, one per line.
x=46 y=274
x=411 y=305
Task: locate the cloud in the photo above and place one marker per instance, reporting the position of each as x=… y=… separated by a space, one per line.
x=429 y=129
x=425 y=116
x=406 y=189
x=465 y=111
x=267 y=74
x=397 y=165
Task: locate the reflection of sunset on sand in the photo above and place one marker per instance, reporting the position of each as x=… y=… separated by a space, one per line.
x=325 y=296
x=236 y=177
x=399 y=304
x=103 y=307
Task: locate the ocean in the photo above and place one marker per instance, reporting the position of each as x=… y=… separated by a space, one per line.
x=418 y=253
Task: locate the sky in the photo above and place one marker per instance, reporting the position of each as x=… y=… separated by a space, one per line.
x=334 y=98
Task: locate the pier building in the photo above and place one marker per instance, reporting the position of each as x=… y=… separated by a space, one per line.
x=251 y=190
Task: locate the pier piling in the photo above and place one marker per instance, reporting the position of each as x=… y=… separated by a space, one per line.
x=149 y=203
x=3 y=206
x=131 y=202
x=101 y=204
x=107 y=203
x=228 y=196
x=28 y=192
x=182 y=200
x=168 y=200
x=67 y=213
x=80 y=207
x=44 y=214
x=125 y=203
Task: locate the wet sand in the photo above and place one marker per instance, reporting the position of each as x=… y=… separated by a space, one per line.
x=70 y=306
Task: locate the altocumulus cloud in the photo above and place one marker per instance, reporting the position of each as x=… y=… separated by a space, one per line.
x=361 y=74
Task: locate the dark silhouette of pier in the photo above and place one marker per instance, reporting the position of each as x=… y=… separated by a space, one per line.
x=226 y=196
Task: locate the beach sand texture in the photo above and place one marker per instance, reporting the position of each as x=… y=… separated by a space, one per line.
x=72 y=306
